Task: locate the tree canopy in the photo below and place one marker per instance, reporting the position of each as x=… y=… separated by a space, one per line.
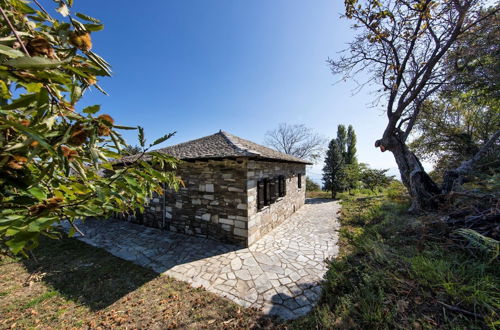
x=60 y=161
x=334 y=176
x=404 y=46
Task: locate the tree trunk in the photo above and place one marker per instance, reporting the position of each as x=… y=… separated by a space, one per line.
x=453 y=179
x=334 y=194
x=423 y=190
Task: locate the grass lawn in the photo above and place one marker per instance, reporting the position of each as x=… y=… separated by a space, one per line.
x=72 y=284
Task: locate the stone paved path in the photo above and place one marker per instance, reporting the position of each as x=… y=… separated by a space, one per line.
x=280 y=273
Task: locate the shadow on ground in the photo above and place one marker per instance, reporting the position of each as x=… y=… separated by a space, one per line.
x=154 y=248
x=294 y=303
x=99 y=276
x=86 y=274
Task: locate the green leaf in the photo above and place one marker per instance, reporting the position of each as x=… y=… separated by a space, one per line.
x=21 y=6
x=142 y=140
x=80 y=188
x=76 y=93
x=35 y=63
x=92 y=109
x=16 y=245
x=11 y=52
x=41 y=223
x=99 y=62
x=33 y=87
x=94 y=27
x=4 y=90
x=88 y=18
x=32 y=134
x=107 y=166
x=20 y=241
x=21 y=102
x=125 y=127
x=162 y=139
x=38 y=193
x=115 y=141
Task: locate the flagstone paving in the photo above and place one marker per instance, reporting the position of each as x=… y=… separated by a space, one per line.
x=280 y=273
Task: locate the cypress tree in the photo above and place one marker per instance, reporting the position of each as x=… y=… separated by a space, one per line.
x=351 y=146
x=342 y=140
x=333 y=171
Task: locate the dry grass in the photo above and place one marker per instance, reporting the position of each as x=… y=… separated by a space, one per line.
x=72 y=284
x=318 y=194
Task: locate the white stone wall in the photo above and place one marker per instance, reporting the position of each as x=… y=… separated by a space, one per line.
x=260 y=222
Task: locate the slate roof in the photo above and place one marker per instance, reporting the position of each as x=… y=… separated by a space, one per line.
x=223 y=145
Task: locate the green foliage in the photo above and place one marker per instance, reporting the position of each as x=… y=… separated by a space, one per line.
x=334 y=177
x=375 y=178
x=396 y=191
x=457 y=279
x=311 y=185
x=452 y=128
x=353 y=176
x=480 y=244
x=343 y=174
x=130 y=150
x=350 y=155
x=59 y=162
x=473 y=64
x=342 y=139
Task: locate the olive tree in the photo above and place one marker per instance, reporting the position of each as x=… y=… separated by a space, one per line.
x=57 y=159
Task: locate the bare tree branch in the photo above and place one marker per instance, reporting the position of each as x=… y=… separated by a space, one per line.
x=296 y=140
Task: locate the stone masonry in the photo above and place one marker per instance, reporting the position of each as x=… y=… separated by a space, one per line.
x=260 y=222
x=219 y=200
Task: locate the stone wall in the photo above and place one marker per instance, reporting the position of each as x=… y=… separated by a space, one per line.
x=219 y=200
x=260 y=222
x=212 y=203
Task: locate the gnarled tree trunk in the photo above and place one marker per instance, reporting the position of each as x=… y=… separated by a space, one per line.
x=423 y=190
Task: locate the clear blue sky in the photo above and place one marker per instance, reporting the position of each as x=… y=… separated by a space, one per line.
x=197 y=66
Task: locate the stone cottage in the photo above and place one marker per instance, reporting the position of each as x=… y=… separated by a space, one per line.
x=235 y=190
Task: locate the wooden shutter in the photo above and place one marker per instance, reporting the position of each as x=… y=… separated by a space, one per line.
x=299 y=182
x=267 y=192
x=260 y=194
x=282 y=186
x=273 y=189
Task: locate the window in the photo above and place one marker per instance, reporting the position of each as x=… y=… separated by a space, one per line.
x=299 y=180
x=269 y=190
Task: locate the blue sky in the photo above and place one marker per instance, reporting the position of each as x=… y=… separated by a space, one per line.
x=197 y=66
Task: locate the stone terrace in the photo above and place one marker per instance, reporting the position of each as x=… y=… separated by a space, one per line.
x=281 y=273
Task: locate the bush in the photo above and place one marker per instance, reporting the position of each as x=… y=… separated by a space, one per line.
x=311 y=185
x=396 y=191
